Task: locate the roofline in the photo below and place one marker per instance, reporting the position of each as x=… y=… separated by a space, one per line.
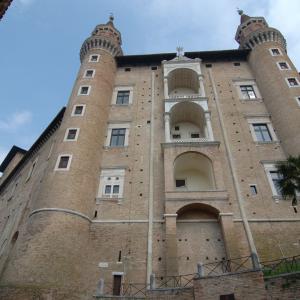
x=36 y=145
x=11 y=154
x=155 y=59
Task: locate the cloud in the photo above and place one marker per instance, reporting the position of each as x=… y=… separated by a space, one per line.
x=26 y=2
x=15 y=121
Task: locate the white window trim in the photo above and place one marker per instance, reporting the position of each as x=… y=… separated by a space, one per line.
x=58 y=160
x=266 y=121
x=278 y=65
x=268 y=168
x=292 y=86
x=79 y=90
x=85 y=72
x=74 y=108
x=32 y=167
x=122 y=88
x=105 y=173
x=94 y=61
x=115 y=126
x=76 y=136
x=270 y=50
x=298 y=100
x=252 y=82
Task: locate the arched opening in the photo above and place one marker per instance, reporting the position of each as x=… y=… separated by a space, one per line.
x=187 y=122
x=199 y=237
x=193 y=172
x=183 y=82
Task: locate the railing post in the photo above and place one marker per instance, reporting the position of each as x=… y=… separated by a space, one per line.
x=100 y=287
x=152 y=281
x=200 y=269
x=255 y=261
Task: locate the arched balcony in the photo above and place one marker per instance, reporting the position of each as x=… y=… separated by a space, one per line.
x=193 y=172
x=188 y=122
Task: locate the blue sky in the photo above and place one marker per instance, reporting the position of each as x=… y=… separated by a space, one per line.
x=40 y=42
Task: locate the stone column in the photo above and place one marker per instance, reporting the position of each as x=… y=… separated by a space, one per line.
x=201 y=85
x=167 y=128
x=208 y=126
x=171 y=240
x=166 y=89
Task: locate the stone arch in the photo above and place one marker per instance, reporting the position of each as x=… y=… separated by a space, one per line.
x=199 y=236
x=183 y=81
x=193 y=171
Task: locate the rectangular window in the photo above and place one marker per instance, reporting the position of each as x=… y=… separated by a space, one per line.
x=89 y=73
x=262 y=132
x=123 y=97
x=117 y=283
x=195 y=135
x=117 y=137
x=292 y=82
x=275 y=52
x=247 y=92
x=78 y=110
x=108 y=189
x=253 y=189
x=176 y=136
x=176 y=128
x=180 y=182
x=283 y=65
x=63 y=162
x=71 y=134
x=275 y=176
x=94 y=58
x=84 y=90
x=298 y=100
x=111 y=183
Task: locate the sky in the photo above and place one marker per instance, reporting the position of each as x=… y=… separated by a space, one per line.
x=40 y=43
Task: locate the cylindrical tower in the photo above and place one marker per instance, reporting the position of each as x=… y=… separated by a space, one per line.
x=276 y=76
x=53 y=240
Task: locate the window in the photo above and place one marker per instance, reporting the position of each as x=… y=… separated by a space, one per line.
x=180 y=183
x=282 y=65
x=63 y=162
x=111 y=183
x=176 y=128
x=89 y=73
x=195 y=135
x=94 y=58
x=117 y=135
x=292 y=82
x=236 y=64
x=275 y=51
x=262 y=132
x=273 y=178
x=123 y=97
x=176 y=136
x=84 y=90
x=127 y=69
x=78 y=110
x=253 y=189
x=247 y=92
x=71 y=134
x=298 y=100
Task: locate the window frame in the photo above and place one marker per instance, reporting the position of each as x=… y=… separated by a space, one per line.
x=56 y=168
x=281 y=62
x=248 y=92
x=271 y=52
x=111 y=177
x=74 y=109
x=260 y=135
x=88 y=77
x=118 y=136
x=247 y=82
x=260 y=120
x=298 y=100
x=122 y=89
x=94 y=61
x=123 y=96
x=292 y=86
x=271 y=167
x=67 y=133
x=80 y=90
x=112 y=126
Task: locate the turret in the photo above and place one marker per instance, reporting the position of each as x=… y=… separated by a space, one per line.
x=59 y=215
x=276 y=76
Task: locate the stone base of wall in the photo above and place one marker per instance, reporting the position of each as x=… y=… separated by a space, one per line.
x=244 y=286
x=286 y=286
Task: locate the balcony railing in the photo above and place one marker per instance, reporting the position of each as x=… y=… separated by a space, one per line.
x=189 y=96
x=191 y=140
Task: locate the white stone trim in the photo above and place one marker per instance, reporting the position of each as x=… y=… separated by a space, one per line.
x=298 y=100
x=262 y=120
x=239 y=82
x=74 y=108
x=90 y=58
x=76 y=135
x=268 y=168
x=278 y=65
x=118 y=273
x=202 y=103
x=58 y=160
x=292 y=86
x=122 y=88
x=270 y=50
x=115 y=126
x=82 y=86
x=85 y=73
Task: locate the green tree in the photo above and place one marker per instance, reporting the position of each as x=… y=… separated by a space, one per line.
x=289 y=182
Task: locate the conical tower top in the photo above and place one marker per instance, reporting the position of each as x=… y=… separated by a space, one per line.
x=104 y=36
